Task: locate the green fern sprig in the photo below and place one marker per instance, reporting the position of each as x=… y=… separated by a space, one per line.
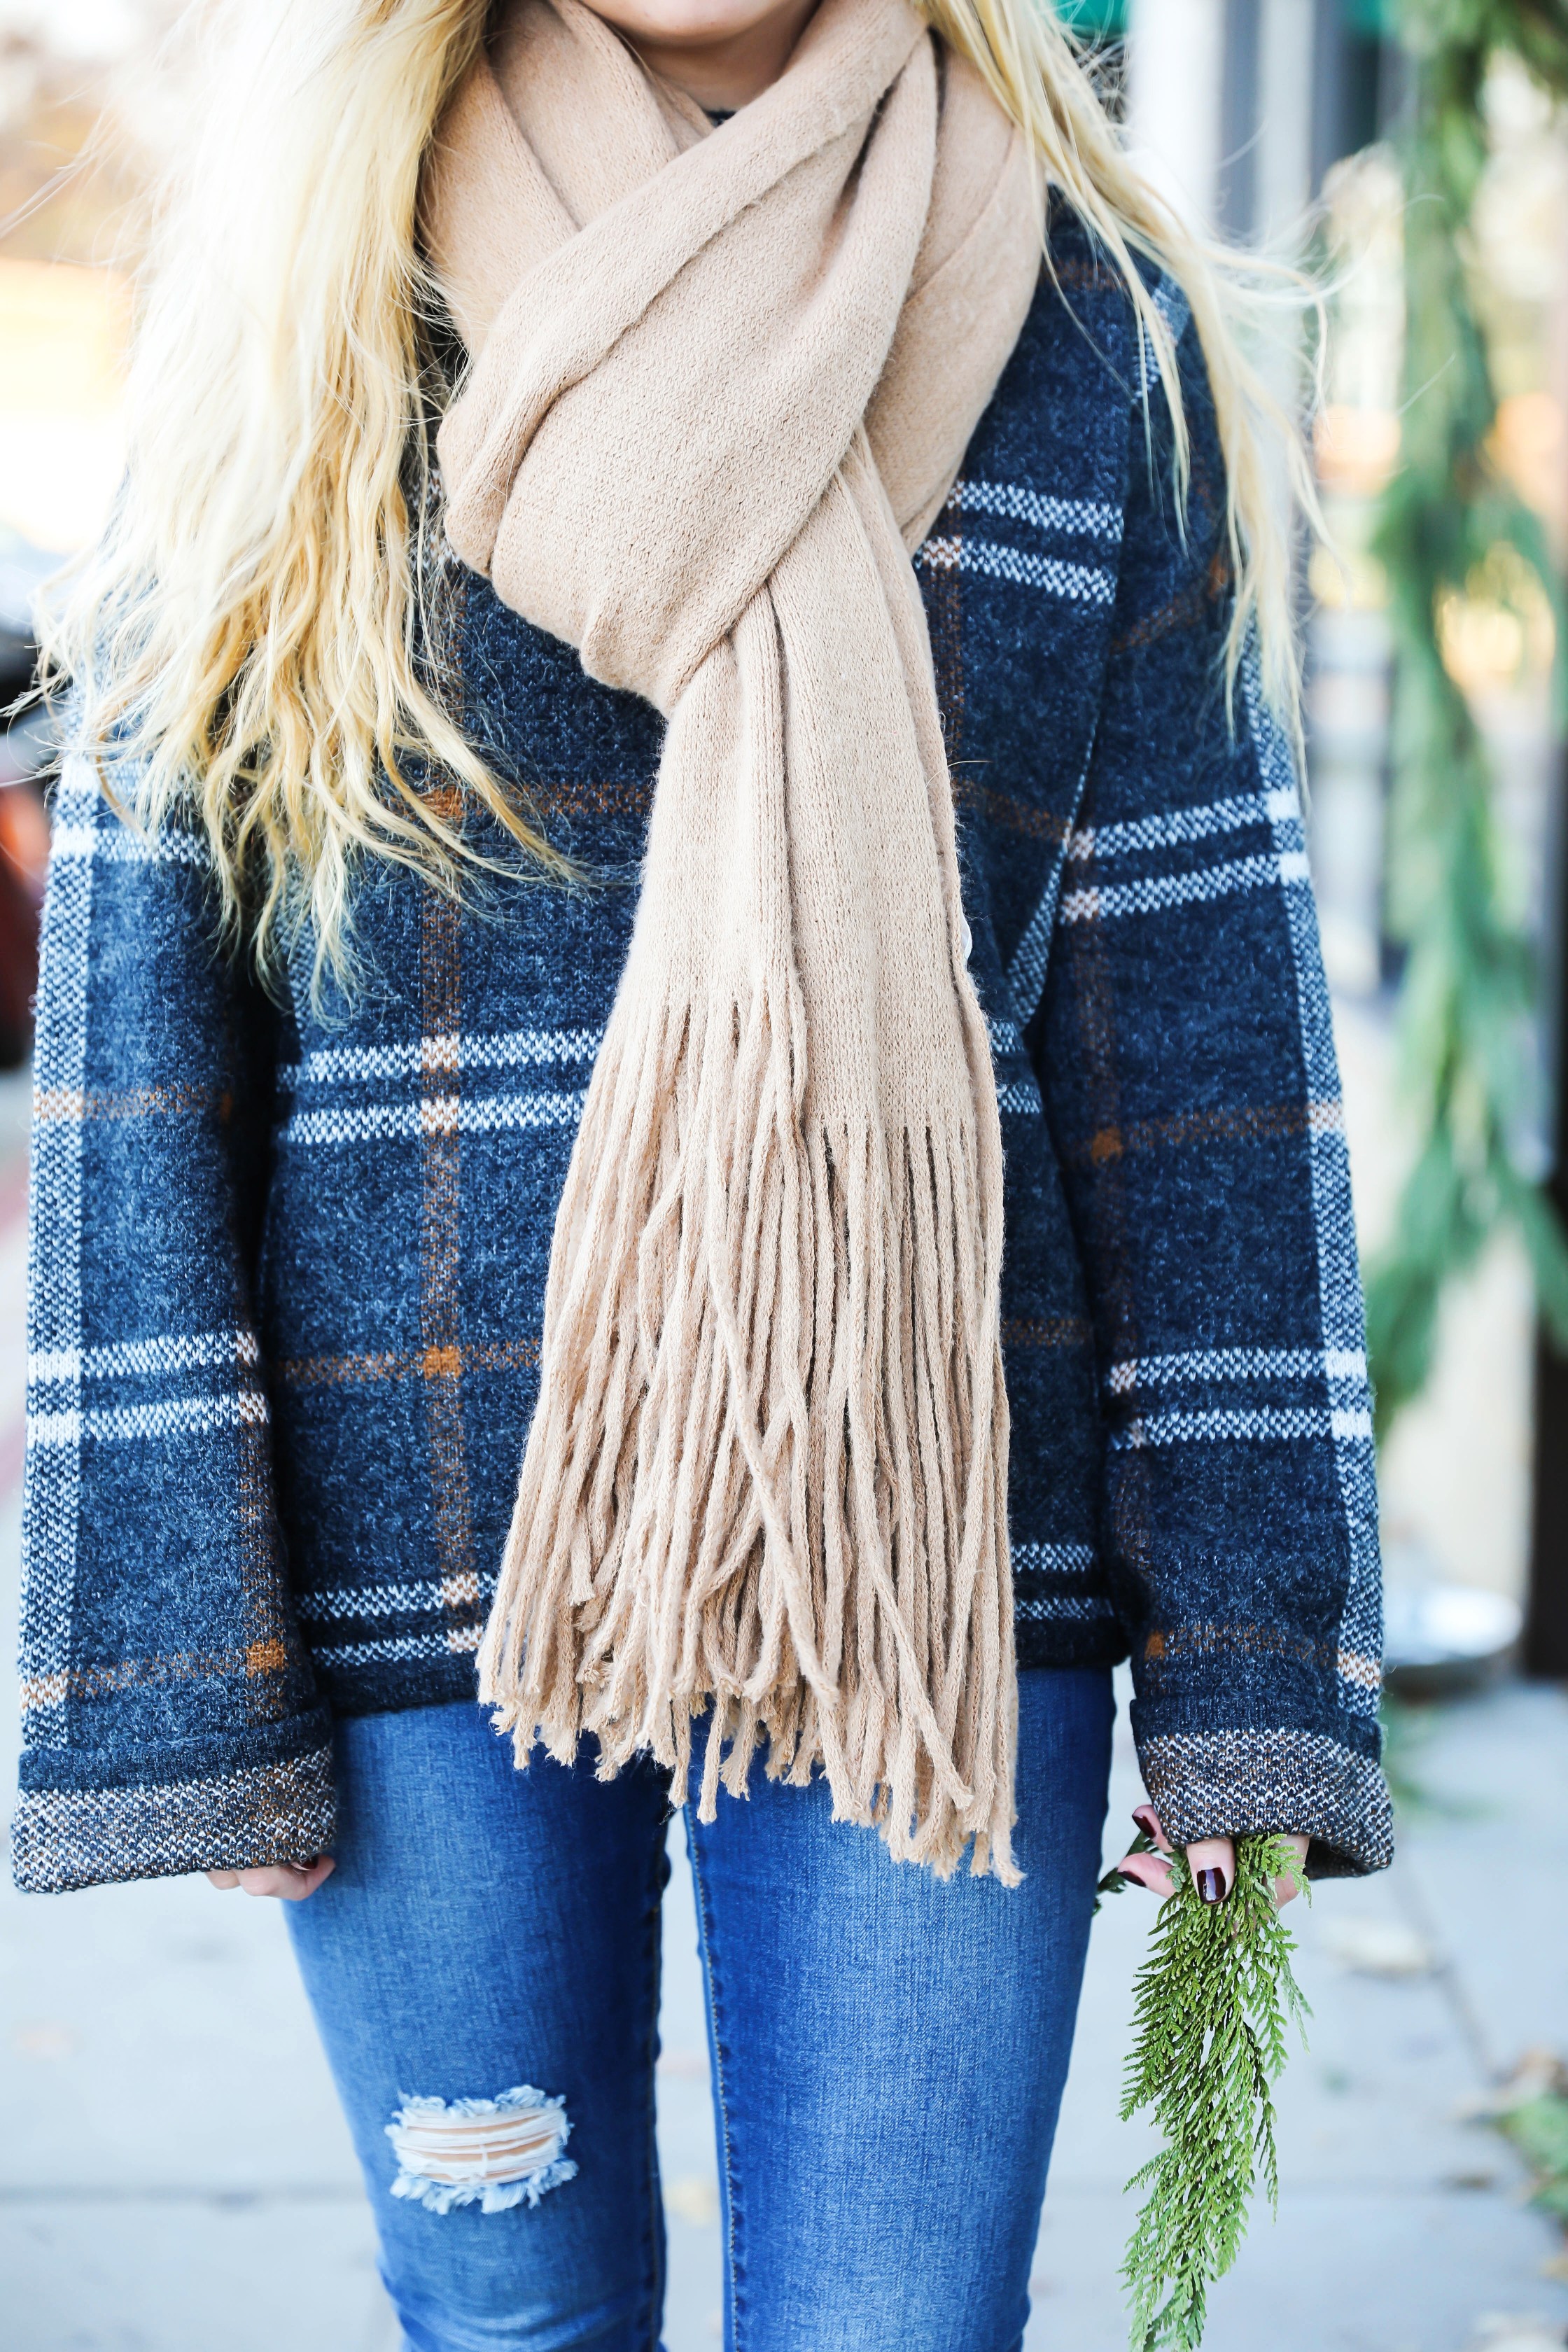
x=1215 y=2002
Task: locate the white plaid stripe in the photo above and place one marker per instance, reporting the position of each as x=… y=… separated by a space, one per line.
x=344 y=1065
x=1020 y=1096
x=424 y=1596
x=1176 y=827
x=1056 y=1558
x=437 y=1114
x=1078 y=583
x=1084 y=518
x=78 y=840
x=1026 y=972
x=173 y=1417
x=1007 y=1039
x=1285 y=868
x=51 y=1490
x=1263 y=1423
x=170 y=1352
x=1223 y=1364
x=455 y=1642
x=1339 y=1283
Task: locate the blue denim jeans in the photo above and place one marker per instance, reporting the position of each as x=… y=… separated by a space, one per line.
x=887 y=2051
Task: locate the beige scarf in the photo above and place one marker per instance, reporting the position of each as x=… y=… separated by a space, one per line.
x=722 y=381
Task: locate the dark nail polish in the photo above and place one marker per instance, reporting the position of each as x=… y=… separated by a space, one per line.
x=1211 y=1886
x=309 y=1862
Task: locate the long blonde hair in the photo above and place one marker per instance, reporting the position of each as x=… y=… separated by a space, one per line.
x=246 y=635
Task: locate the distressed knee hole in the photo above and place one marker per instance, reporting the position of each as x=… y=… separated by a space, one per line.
x=493 y=2153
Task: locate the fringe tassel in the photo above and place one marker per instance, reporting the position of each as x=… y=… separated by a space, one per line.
x=767 y=1472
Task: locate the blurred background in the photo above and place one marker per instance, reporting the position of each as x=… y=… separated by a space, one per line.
x=172 y=2171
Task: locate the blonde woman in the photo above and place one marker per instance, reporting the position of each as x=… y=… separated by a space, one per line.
x=679 y=860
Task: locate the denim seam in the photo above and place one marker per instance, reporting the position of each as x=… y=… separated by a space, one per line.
x=711 y=1989
x=656 y=2265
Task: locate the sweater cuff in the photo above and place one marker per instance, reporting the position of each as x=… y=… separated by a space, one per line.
x=1248 y=1781
x=233 y=1815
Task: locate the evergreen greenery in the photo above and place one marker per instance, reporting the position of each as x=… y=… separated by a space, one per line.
x=1467 y=997
x=1215 y=2001
x=1538 y=2129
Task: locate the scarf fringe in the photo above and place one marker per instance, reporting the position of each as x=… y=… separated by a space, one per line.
x=767 y=1475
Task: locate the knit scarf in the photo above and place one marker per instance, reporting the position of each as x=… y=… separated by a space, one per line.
x=721 y=381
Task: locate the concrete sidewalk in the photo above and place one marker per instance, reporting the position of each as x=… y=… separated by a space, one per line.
x=175 y=2176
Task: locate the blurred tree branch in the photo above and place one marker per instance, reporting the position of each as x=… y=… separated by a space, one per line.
x=1468 y=999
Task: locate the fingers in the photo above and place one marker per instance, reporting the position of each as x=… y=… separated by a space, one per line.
x=299 y=1878
x=1149 y=1870
x=290 y=1881
x=1212 y=1861
x=1148 y=1820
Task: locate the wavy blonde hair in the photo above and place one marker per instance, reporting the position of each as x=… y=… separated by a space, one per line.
x=247 y=637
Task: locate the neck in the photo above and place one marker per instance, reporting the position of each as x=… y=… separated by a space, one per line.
x=727 y=71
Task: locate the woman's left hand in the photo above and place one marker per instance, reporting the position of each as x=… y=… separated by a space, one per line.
x=1212 y=1861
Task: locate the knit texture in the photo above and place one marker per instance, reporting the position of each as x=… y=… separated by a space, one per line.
x=766 y=1472
x=289 y=1265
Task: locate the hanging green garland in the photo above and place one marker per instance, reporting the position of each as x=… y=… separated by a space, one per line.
x=1468 y=999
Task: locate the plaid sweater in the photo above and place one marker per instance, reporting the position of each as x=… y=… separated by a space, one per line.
x=289 y=1264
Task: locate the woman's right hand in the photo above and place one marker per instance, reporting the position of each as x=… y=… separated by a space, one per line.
x=1212 y=1861
x=291 y=1881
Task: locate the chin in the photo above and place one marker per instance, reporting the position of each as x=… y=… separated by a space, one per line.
x=697 y=22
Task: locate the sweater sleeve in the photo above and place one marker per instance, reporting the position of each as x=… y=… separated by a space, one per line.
x=1186 y=1056
x=170 y=1722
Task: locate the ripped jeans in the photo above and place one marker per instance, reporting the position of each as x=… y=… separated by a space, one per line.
x=888 y=2052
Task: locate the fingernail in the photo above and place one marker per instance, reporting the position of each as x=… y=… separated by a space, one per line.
x=1211 y=1886
x=308 y=1863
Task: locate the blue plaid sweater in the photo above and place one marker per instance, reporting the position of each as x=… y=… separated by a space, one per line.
x=289 y=1264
